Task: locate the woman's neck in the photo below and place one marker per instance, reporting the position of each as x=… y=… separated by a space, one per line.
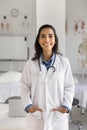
x=47 y=55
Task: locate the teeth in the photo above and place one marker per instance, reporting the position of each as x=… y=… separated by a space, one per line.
x=46 y=44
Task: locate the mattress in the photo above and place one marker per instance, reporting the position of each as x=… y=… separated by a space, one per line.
x=9 y=85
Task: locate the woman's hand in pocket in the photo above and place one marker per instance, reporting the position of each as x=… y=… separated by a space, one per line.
x=60 y=109
x=34 y=109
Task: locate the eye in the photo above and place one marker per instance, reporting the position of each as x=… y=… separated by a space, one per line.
x=51 y=36
x=42 y=36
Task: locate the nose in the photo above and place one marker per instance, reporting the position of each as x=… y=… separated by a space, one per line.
x=46 y=39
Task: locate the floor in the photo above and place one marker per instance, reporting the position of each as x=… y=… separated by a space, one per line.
x=77 y=116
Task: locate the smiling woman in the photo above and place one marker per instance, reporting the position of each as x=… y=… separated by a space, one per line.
x=47 y=41
x=47 y=86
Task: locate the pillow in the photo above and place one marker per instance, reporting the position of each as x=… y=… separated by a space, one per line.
x=10 y=77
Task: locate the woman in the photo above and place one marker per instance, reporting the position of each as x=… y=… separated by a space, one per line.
x=47 y=84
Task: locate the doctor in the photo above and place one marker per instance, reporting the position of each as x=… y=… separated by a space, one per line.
x=47 y=88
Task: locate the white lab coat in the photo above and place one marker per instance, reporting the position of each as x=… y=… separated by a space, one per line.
x=48 y=90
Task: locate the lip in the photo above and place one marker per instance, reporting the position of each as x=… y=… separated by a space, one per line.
x=46 y=44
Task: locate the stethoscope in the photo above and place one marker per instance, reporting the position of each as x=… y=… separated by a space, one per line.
x=51 y=66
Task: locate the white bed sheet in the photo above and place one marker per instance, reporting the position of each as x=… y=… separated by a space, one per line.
x=81 y=92
x=9 y=85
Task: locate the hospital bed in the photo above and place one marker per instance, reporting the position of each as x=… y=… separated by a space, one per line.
x=10 y=92
x=81 y=92
x=9 y=85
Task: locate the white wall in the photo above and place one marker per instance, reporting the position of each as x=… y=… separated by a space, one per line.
x=53 y=12
x=39 y=12
x=75 y=12
x=25 y=7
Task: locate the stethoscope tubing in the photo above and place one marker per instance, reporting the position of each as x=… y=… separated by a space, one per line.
x=51 y=66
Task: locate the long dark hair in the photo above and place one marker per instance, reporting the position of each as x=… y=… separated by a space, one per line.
x=38 y=49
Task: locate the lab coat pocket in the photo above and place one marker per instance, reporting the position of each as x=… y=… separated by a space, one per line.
x=34 y=122
x=36 y=114
x=61 y=115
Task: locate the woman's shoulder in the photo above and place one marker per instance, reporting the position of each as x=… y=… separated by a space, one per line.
x=63 y=59
x=30 y=62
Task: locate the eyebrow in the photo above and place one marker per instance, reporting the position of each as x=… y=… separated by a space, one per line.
x=47 y=34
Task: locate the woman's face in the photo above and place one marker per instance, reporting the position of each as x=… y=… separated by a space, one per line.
x=47 y=39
